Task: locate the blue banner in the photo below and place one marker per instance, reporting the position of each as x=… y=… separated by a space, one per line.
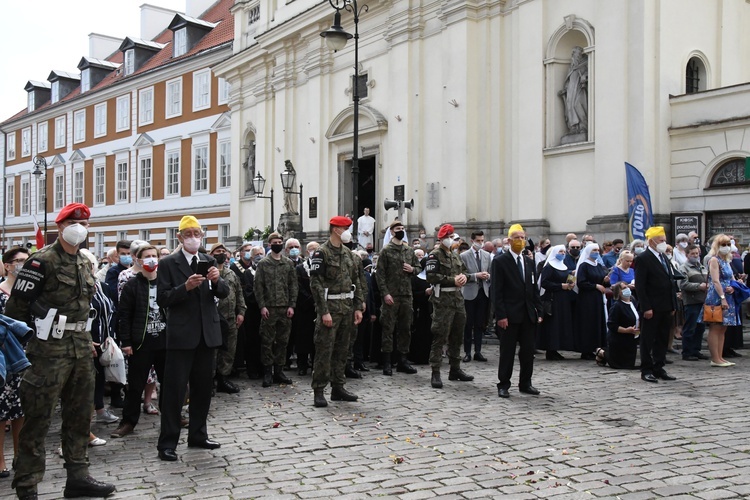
x=640 y=216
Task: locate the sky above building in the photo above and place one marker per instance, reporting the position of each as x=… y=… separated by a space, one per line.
x=43 y=35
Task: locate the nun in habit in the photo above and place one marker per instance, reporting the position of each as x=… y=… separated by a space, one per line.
x=591 y=329
x=556 y=333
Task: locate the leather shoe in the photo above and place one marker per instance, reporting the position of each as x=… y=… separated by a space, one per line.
x=27 y=495
x=690 y=358
x=478 y=357
x=168 y=455
x=460 y=375
x=502 y=393
x=647 y=377
x=87 y=487
x=206 y=445
x=666 y=376
x=529 y=389
x=224 y=385
x=731 y=353
x=700 y=355
x=360 y=367
x=467 y=358
x=341 y=394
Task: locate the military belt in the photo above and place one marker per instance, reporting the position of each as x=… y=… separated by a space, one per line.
x=78 y=326
x=340 y=296
x=448 y=288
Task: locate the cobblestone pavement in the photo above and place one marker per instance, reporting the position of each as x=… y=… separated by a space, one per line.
x=593 y=432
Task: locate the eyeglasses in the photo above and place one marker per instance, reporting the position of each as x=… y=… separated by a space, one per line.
x=16 y=261
x=293 y=246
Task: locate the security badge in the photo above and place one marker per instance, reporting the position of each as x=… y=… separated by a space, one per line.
x=28 y=285
x=317 y=264
x=432 y=264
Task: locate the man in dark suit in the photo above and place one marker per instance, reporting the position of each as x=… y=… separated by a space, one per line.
x=193 y=334
x=515 y=297
x=476 y=294
x=657 y=301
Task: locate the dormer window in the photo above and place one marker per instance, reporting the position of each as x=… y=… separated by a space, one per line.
x=37 y=93
x=85 y=80
x=93 y=71
x=129 y=61
x=180 y=42
x=63 y=83
x=30 y=101
x=55 y=92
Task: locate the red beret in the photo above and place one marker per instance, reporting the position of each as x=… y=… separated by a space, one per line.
x=77 y=211
x=340 y=221
x=445 y=231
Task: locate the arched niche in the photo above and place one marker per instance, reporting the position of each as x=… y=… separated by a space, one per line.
x=248 y=166
x=697 y=76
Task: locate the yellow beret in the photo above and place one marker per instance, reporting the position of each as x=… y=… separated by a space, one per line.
x=189 y=221
x=655 y=231
x=515 y=228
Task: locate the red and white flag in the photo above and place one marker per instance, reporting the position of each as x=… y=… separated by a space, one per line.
x=38 y=234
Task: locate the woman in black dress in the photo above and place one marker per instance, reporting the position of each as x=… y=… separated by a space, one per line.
x=623 y=327
x=556 y=333
x=591 y=280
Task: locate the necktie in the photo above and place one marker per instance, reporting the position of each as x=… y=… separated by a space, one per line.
x=520 y=268
x=664 y=263
x=194 y=264
x=479 y=262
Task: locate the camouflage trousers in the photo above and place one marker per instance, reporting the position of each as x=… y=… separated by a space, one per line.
x=274 y=336
x=48 y=380
x=396 y=320
x=225 y=358
x=448 y=323
x=332 y=347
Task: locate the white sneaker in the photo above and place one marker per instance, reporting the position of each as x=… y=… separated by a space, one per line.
x=97 y=442
x=106 y=417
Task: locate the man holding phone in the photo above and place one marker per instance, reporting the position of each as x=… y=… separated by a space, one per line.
x=187 y=283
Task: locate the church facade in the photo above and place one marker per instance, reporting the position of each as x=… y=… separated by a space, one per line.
x=492 y=112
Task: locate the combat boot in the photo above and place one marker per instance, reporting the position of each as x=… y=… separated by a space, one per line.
x=341 y=394
x=435 y=381
x=320 y=399
x=404 y=366
x=224 y=385
x=387 y=370
x=87 y=487
x=360 y=366
x=350 y=372
x=267 y=376
x=278 y=375
x=460 y=375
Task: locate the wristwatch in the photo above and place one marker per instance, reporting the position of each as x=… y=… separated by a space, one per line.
x=722 y=297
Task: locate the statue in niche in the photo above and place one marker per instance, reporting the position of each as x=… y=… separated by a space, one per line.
x=249 y=167
x=290 y=200
x=575 y=98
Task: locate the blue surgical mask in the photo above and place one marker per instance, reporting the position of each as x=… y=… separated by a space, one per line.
x=626 y=293
x=560 y=256
x=247 y=256
x=594 y=255
x=294 y=252
x=126 y=260
x=231 y=260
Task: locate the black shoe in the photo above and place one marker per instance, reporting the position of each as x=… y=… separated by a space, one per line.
x=350 y=372
x=341 y=394
x=554 y=356
x=588 y=356
x=279 y=376
x=302 y=372
x=647 y=377
x=360 y=367
x=32 y=495
x=206 y=445
x=690 y=358
x=168 y=455
x=478 y=357
x=224 y=385
x=320 y=399
x=404 y=366
x=467 y=358
x=87 y=487
x=668 y=361
x=460 y=375
x=666 y=376
x=387 y=370
x=267 y=376
x=254 y=375
x=435 y=380
x=502 y=393
x=700 y=355
x=529 y=389
x=731 y=353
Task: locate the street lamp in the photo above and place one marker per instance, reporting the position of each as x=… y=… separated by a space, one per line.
x=258 y=184
x=336 y=39
x=40 y=169
x=287 y=183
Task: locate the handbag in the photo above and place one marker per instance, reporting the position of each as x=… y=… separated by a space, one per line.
x=713 y=314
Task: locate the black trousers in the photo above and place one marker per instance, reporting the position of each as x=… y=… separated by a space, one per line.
x=654 y=340
x=183 y=366
x=139 y=364
x=523 y=334
x=252 y=342
x=303 y=329
x=476 y=321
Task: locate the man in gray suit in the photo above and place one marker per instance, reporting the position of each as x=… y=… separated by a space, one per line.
x=476 y=294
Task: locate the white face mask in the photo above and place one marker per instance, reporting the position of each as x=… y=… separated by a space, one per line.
x=476 y=246
x=661 y=247
x=191 y=244
x=724 y=250
x=683 y=244
x=447 y=242
x=346 y=236
x=74 y=234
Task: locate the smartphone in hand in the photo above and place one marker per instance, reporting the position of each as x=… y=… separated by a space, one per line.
x=202 y=268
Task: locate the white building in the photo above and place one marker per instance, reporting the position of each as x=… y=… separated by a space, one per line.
x=461 y=106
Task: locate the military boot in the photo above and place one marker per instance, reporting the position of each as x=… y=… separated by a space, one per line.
x=435 y=381
x=460 y=375
x=404 y=366
x=341 y=394
x=87 y=487
x=350 y=372
x=320 y=399
x=267 y=376
x=278 y=375
x=387 y=370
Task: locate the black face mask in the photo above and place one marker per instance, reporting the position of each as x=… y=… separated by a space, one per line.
x=544 y=249
x=220 y=258
x=349 y=245
x=575 y=252
x=399 y=235
x=277 y=247
x=369 y=251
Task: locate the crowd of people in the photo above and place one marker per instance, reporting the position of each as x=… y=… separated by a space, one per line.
x=191 y=319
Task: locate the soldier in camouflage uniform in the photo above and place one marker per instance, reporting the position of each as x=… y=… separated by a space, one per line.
x=232 y=309
x=276 y=290
x=396 y=265
x=446 y=272
x=58 y=276
x=338 y=302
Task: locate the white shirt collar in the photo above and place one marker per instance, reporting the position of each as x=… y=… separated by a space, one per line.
x=189 y=256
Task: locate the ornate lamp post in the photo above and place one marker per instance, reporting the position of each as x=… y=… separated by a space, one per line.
x=40 y=171
x=288 y=176
x=336 y=39
x=259 y=183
